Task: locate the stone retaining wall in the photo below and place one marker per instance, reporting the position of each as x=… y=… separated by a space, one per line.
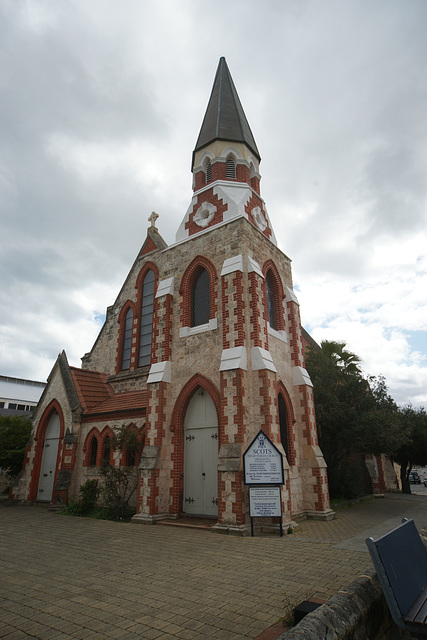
x=357 y=612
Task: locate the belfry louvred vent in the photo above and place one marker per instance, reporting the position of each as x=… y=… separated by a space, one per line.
x=208 y=171
x=230 y=167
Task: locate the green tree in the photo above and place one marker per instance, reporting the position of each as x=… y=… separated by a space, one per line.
x=14 y=434
x=413 y=449
x=354 y=415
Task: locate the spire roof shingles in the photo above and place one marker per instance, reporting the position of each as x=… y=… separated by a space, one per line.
x=224 y=118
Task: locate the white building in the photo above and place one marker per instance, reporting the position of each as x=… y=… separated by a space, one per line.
x=19 y=396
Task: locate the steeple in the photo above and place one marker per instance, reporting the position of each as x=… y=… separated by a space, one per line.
x=224 y=118
x=225 y=166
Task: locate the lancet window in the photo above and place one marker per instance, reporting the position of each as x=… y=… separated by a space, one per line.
x=146 y=322
x=200 y=299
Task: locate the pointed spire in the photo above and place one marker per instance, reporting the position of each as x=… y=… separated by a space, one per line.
x=224 y=118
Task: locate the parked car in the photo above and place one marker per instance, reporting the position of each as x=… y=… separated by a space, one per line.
x=414 y=478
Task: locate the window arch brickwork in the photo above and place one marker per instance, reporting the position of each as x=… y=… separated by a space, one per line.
x=53 y=407
x=178 y=418
x=290 y=421
x=105 y=443
x=141 y=280
x=271 y=273
x=88 y=448
x=186 y=289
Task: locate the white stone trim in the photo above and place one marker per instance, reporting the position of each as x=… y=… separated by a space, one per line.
x=201 y=328
x=300 y=376
x=280 y=335
x=235 y=152
x=160 y=372
x=261 y=359
x=165 y=287
x=259 y=218
x=252 y=160
x=234 y=358
x=254 y=266
x=232 y=264
x=291 y=294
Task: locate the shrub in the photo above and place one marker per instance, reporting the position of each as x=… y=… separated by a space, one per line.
x=89 y=494
x=119 y=485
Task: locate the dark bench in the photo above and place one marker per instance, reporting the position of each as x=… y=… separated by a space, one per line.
x=400 y=560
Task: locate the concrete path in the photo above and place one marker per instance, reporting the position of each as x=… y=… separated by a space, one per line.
x=63 y=577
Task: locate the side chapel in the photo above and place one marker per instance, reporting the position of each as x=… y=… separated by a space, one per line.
x=202 y=348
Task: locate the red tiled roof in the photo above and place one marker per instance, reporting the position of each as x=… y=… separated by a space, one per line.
x=122 y=402
x=91 y=386
x=97 y=396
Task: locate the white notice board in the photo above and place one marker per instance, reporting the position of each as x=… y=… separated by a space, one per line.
x=264 y=502
x=263 y=462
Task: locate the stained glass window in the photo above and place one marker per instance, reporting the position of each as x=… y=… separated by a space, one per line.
x=146 y=319
x=127 y=341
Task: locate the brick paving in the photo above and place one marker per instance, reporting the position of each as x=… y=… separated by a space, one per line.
x=63 y=577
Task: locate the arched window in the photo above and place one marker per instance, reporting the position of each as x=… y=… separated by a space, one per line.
x=200 y=299
x=230 y=166
x=146 y=319
x=208 y=171
x=283 y=423
x=271 y=303
x=130 y=457
x=93 y=451
x=107 y=450
x=127 y=340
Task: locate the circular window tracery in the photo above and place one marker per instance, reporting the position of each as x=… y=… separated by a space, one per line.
x=204 y=214
x=259 y=218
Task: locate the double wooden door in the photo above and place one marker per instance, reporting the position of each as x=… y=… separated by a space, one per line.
x=201 y=456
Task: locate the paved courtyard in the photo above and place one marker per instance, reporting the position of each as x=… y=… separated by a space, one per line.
x=67 y=577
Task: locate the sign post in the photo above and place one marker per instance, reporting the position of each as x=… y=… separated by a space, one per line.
x=263 y=465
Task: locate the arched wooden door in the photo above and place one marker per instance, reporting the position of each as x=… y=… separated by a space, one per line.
x=201 y=456
x=49 y=458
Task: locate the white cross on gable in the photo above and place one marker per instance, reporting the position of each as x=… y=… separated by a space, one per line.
x=153 y=219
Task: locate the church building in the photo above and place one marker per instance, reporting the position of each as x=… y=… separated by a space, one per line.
x=202 y=348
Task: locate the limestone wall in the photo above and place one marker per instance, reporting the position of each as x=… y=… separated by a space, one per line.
x=356 y=612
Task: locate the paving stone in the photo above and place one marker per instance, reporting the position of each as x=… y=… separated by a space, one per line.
x=167 y=582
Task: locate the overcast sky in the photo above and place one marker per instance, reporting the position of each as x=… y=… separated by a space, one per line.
x=101 y=105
